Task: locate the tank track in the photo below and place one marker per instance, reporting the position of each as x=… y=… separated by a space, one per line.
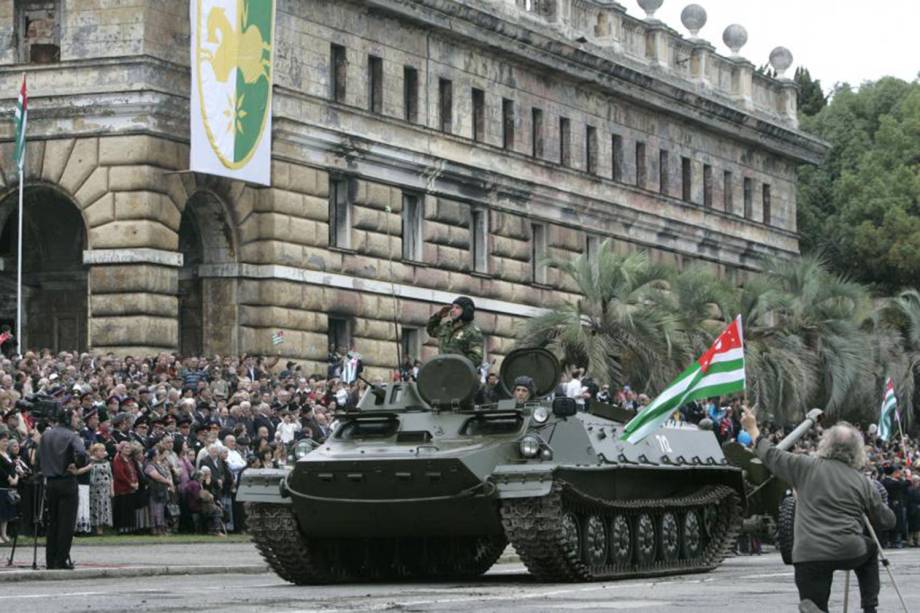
x=536 y=529
x=303 y=561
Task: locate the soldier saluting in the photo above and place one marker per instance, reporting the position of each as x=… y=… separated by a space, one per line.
x=455 y=330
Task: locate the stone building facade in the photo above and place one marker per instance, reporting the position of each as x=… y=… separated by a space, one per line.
x=421 y=149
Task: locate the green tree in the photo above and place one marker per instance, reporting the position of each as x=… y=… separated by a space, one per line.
x=811 y=98
x=862 y=205
x=624 y=327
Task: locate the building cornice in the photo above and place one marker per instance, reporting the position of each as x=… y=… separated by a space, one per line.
x=621 y=78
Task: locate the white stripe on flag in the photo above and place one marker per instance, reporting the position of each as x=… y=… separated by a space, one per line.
x=728 y=356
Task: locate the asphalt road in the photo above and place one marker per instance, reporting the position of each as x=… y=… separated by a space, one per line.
x=757 y=583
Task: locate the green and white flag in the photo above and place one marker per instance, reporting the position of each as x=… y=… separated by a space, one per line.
x=231 y=97
x=889 y=411
x=22 y=115
x=718 y=372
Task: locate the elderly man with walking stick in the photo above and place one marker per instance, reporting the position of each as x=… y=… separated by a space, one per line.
x=833 y=498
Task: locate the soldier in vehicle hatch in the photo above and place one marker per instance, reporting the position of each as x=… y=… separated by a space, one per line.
x=524 y=389
x=455 y=330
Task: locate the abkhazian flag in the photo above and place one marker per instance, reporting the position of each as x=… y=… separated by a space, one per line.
x=889 y=411
x=278 y=337
x=21 y=117
x=718 y=372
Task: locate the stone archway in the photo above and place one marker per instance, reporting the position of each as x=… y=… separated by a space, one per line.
x=54 y=279
x=208 y=310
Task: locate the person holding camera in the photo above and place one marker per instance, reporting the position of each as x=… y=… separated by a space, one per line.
x=61 y=452
x=9 y=479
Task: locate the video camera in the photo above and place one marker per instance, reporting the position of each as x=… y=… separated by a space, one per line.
x=42 y=406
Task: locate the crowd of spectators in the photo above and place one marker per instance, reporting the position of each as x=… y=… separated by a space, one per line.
x=168 y=438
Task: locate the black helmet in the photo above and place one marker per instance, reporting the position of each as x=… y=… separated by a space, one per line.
x=469 y=309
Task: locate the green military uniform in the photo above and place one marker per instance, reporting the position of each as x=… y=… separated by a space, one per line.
x=461 y=337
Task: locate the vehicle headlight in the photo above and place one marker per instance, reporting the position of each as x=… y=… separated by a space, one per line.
x=540 y=414
x=302 y=449
x=530 y=446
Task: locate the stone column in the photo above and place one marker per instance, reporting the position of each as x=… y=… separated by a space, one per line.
x=700 y=57
x=656 y=43
x=788 y=102
x=8 y=51
x=133 y=300
x=613 y=36
x=743 y=82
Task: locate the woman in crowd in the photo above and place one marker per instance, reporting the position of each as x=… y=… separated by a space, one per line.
x=161 y=485
x=142 y=495
x=186 y=476
x=125 y=484
x=101 y=488
x=9 y=479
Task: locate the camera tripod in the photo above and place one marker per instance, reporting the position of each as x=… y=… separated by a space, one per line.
x=38 y=508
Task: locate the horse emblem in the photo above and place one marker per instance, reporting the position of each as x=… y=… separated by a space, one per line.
x=233 y=58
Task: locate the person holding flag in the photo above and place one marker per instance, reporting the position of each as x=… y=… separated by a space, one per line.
x=718 y=372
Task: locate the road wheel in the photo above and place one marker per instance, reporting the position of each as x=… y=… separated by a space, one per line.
x=570 y=534
x=691 y=542
x=784 y=528
x=621 y=541
x=595 y=545
x=645 y=540
x=668 y=537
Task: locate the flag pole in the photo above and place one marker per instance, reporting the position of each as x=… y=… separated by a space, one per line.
x=19 y=270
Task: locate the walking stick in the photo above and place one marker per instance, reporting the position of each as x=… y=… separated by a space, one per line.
x=885 y=562
x=846 y=592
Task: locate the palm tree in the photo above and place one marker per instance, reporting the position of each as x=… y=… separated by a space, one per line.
x=623 y=328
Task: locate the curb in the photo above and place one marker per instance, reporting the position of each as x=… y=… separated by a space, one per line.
x=78 y=573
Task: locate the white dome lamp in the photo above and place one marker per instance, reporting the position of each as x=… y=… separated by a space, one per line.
x=781 y=60
x=694 y=18
x=650 y=6
x=734 y=37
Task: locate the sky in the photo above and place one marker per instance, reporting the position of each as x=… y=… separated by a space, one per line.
x=837 y=40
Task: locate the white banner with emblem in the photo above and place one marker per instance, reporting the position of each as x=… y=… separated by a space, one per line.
x=231 y=98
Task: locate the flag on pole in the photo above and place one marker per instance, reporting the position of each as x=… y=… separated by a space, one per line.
x=22 y=113
x=889 y=411
x=718 y=372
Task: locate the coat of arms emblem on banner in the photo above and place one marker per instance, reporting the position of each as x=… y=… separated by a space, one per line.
x=232 y=46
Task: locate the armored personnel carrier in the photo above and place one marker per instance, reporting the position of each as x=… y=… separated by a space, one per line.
x=421 y=482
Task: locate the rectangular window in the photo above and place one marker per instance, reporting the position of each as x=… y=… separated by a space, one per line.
x=339 y=214
x=537 y=116
x=641 y=174
x=374 y=84
x=538 y=253
x=565 y=142
x=446 y=104
x=338 y=73
x=479 y=222
x=39 y=31
x=410 y=94
x=591 y=149
x=748 y=197
x=592 y=245
x=507 y=123
x=767 y=204
x=411 y=344
x=728 y=195
x=338 y=333
x=707 y=186
x=616 y=157
x=479 y=115
x=664 y=178
x=686 y=179
x=412 y=219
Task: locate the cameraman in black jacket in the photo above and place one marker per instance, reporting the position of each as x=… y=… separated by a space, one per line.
x=61 y=452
